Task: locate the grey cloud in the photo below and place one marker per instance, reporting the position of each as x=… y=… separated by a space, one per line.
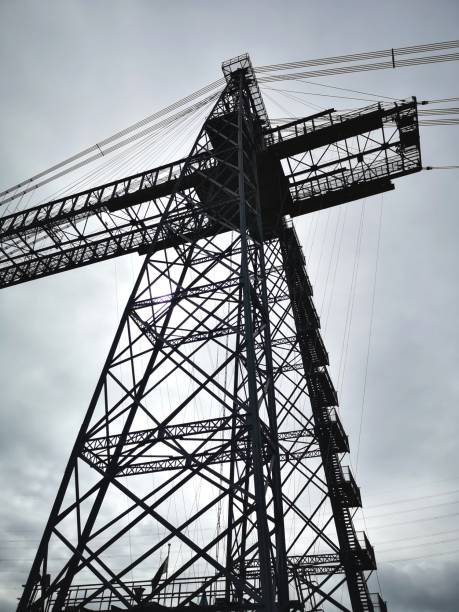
x=422 y=587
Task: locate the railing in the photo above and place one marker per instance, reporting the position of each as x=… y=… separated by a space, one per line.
x=320 y=184
x=171 y=595
x=213 y=590
x=348 y=477
x=364 y=551
x=378 y=604
x=305 y=125
x=242 y=62
x=338 y=437
x=90 y=199
x=351 y=490
x=299 y=127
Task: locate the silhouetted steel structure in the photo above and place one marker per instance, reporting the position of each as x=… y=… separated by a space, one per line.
x=213 y=425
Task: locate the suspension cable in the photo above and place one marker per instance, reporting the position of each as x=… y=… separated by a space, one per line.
x=392 y=53
x=101 y=148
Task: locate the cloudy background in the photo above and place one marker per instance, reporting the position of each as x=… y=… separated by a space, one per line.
x=73 y=73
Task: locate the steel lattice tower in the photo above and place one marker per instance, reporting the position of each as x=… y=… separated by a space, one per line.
x=213 y=426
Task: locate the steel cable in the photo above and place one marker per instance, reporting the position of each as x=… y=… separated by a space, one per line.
x=352 y=57
x=428 y=59
x=96 y=151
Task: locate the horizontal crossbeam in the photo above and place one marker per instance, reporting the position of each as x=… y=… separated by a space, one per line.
x=298 y=567
x=123 y=216
x=181 y=431
x=193 y=459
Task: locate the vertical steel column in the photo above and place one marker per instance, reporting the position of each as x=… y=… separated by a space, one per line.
x=254 y=426
x=280 y=569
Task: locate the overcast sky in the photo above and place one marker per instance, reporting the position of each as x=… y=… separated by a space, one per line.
x=73 y=73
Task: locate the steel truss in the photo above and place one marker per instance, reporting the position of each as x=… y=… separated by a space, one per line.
x=213 y=427
x=303 y=166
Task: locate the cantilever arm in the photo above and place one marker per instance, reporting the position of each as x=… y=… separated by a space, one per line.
x=304 y=166
x=96 y=224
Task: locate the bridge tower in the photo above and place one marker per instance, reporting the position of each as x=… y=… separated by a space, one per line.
x=211 y=462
